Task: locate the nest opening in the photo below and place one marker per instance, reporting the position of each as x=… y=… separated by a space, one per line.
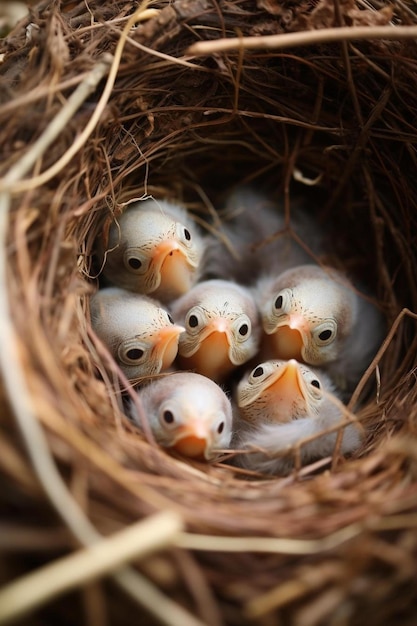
x=332 y=121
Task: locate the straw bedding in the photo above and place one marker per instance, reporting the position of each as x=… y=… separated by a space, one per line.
x=340 y=114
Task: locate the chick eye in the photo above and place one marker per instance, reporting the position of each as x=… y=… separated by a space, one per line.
x=168 y=417
x=243 y=330
x=220 y=428
x=134 y=263
x=183 y=234
x=193 y=321
x=135 y=354
x=325 y=334
x=316 y=383
x=195 y=318
x=279 y=302
x=132 y=352
x=282 y=302
x=170 y=318
x=258 y=371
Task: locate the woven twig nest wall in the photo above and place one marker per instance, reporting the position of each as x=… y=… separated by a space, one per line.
x=334 y=543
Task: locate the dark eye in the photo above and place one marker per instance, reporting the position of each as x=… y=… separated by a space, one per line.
x=187 y=234
x=243 y=330
x=220 y=428
x=316 y=383
x=258 y=371
x=168 y=417
x=279 y=302
x=134 y=354
x=193 y=321
x=325 y=335
x=170 y=318
x=135 y=263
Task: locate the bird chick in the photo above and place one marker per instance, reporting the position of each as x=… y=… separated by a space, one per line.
x=187 y=412
x=153 y=248
x=314 y=314
x=253 y=239
x=280 y=391
x=139 y=333
x=280 y=404
x=222 y=328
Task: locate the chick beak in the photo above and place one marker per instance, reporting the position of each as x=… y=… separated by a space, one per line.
x=167 y=344
x=287 y=389
x=193 y=440
x=175 y=270
x=289 y=339
x=212 y=357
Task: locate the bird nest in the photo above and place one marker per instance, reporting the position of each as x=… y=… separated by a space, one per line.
x=105 y=101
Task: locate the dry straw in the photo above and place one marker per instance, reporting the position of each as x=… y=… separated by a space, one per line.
x=104 y=101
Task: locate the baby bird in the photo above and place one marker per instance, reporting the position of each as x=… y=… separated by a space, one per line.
x=314 y=314
x=139 y=333
x=187 y=412
x=280 y=391
x=254 y=239
x=222 y=328
x=281 y=403
x=153 y=248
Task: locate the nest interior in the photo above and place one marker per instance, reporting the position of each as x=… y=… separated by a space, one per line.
x=340 y=115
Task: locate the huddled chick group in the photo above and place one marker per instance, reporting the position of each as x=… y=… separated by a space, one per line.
x=256 y=338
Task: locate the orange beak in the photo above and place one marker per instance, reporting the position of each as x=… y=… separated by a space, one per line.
x=287 y=390
x=174 y=268
x=288 y=340
x=192 y=440
x=212 y=357
x=167 y=344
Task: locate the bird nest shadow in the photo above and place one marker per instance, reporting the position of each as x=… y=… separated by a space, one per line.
x=325 y=112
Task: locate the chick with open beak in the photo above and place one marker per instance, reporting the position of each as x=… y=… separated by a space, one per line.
x=222 y=328
x=278 y=392
x=139 y=333
x=280 y=404
x=188 y=413
x=315 y=315
x=153 y=248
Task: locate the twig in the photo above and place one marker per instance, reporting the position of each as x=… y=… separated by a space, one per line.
x=377 y=358
x=35 y=589
x=293 y=40
x=268 y=544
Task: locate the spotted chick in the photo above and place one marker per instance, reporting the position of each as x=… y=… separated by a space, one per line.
x=188 y=413
x=253 y=239
x=222 y=328
x=314 y=314
x=139 y=333
x=153 y=248
x=281 y=403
